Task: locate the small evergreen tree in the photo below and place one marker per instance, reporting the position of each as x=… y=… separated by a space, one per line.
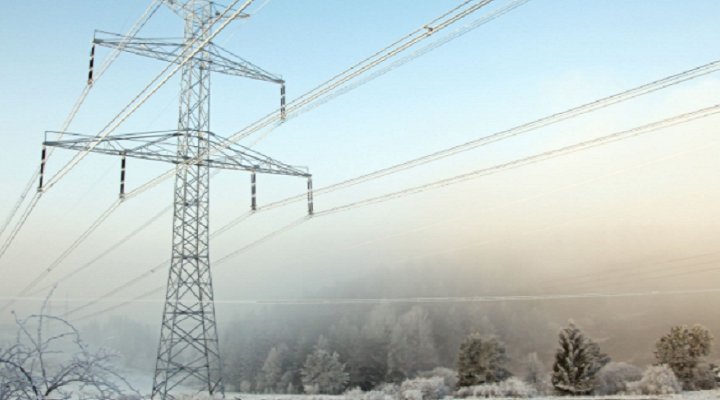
x=682 y=349
x=481 y=360
x=323 y=373
x=577 y=362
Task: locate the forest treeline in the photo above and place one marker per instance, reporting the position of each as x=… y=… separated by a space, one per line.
x=274 y=349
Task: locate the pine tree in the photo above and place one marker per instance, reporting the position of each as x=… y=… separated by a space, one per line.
x=481 y=360
x=681 y=350
x=577 y=362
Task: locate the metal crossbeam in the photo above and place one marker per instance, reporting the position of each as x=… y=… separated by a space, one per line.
x=162 y=146
x=218 y=59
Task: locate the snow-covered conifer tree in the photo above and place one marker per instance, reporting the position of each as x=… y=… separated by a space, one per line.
x=577 y=362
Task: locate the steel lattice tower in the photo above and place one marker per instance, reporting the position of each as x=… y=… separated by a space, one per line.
x=189 y=350
x=188 y=325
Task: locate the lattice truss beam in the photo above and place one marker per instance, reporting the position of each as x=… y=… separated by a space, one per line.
x=218 y=59
x=162 y=146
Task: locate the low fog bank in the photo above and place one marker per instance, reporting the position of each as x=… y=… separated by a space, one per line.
x=390 y=342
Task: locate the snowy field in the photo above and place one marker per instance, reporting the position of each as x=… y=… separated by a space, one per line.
x=699 y=395
x=143 y=383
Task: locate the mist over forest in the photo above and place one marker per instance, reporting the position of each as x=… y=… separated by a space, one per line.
x=265 y=347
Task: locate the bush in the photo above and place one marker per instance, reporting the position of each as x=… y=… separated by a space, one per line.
x=682 y=349
x=448 y=375
x=354 y=394
x=430 y=388
x=412 y=394
x=614 y=377
x=703 y=378
x=358 y=394
x=389 y=389
x=512 y=387
x=658 y=379
x=481 y=360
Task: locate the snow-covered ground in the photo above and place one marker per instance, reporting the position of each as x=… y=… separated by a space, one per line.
x=143 y=382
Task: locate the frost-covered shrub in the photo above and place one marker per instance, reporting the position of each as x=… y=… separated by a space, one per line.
x=245 y=387
x=512 y=387
x=682 y=350
x=412 y=394
x=377 y=395
x=449 y=376
x=703 y=378
x=430 y=388
x=312 y=389
x=658 y=379
x=389 y=389
x=614 y=377
x=354 y=394
x=358 y=394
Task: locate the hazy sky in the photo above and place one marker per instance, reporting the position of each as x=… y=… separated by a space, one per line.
x=645 y=200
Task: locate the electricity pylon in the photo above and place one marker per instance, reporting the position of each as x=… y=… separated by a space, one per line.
x=189 y=349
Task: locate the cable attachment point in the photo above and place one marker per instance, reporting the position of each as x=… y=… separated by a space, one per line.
x=310 y=197
x=253 y=204
x=43 y=159
x=122 y=177
x=92 y=62
x=282 y=102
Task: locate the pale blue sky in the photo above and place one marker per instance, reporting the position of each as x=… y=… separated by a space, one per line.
x=544 y=57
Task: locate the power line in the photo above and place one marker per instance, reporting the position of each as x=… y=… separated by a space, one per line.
x=120 y=119
x=555 y=153
x=403 y=300
x=595 y=275
x=644 y=276
x=455 y=18
x=227 y=257
x=277 y=116
x=532 y=197
x=66 y=253
x=243 y=21
x=525 y=128
x=533 y=231
x=156 y=181
x=603 y=140
x=78 y=103
x=108 y=250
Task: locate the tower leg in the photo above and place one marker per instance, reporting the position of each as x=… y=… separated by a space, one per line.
x=189 y=352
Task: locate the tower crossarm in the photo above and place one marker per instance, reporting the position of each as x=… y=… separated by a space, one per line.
x=167 y=49
x=162 y=146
